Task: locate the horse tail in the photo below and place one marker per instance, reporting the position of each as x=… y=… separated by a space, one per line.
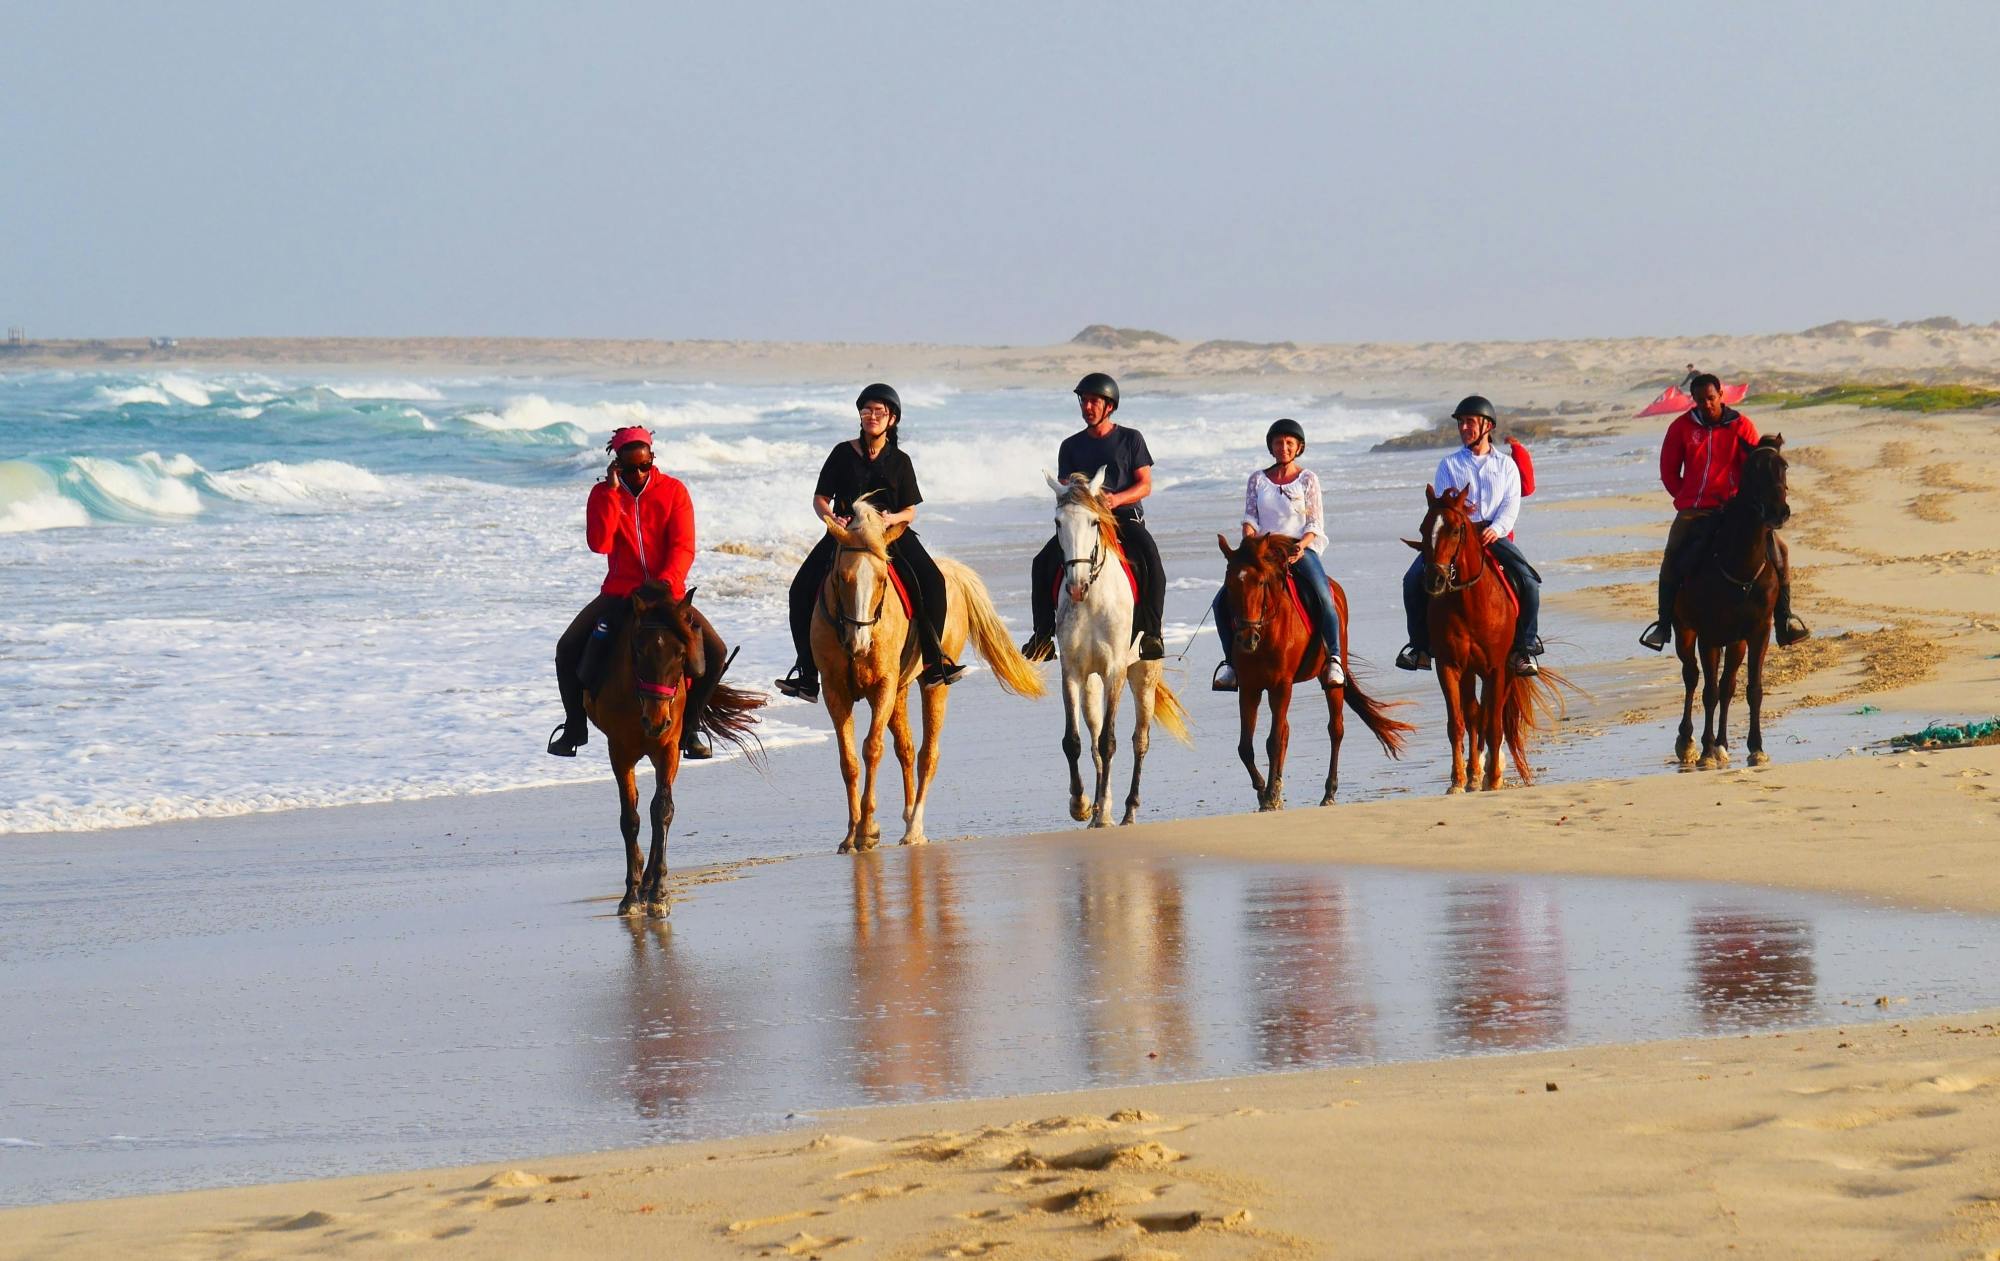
x=1533 y=704
x=1170 y=713
x=1374 y=715
x=988 y=632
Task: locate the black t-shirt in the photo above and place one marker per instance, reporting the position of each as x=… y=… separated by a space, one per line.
x=847 y=475
x=1120 y=453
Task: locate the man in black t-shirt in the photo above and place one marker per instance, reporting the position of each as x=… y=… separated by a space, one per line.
x=1128 y=479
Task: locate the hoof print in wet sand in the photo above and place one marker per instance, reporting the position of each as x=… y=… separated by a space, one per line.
x=1098 y=1159
x=809 y=1245
x=775 y=1219
x=312 y=1220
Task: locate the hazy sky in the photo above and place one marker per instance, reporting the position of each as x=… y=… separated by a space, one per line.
x=1000 y=172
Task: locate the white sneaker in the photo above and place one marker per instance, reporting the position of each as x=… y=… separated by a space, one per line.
x=1225 y=678
x=1334 y=675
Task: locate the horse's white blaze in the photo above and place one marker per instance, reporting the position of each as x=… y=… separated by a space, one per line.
x=863 y=596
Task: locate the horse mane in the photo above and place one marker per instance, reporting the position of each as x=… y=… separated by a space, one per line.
x=1076 y=490
x=864 y=530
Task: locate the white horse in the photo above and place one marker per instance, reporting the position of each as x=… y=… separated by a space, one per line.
x=1098 y=641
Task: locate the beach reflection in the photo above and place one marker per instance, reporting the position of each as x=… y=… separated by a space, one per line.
x=1750 y=969
x=1310 y=997
x=910 y=974
x=677 y=1041
x=1130 y=939
x=1504 y=985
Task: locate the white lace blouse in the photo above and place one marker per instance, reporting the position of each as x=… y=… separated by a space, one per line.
x=1293 y=508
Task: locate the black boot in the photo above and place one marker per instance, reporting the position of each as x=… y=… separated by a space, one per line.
x=565 y=740
x=801 y=684
x=1789 y=628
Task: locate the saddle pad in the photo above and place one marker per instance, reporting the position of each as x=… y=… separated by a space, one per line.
x=902 y=592
x=1506 y=583
x=1299 y=603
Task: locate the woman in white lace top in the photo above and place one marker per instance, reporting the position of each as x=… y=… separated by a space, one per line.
x=1284 y=499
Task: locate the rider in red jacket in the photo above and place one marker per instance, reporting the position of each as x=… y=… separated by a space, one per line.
x=1701 y=461
x=642 y=521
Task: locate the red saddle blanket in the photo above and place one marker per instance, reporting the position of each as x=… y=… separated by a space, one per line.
x=902 y=592
x=1499 y=572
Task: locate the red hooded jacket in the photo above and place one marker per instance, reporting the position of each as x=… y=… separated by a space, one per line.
x=647 y=535
x=1700 y=463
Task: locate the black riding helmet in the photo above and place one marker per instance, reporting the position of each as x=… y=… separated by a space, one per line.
x=1286 y=428
x=880 y=393
x=1475 y=405
x=1101 y=385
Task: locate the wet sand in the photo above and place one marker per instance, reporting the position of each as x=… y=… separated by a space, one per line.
x=1850 y=1140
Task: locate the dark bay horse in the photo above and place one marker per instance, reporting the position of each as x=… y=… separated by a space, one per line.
x=640 y=707
x=1275 y=648
x=1472 y=630
x=1724 y=608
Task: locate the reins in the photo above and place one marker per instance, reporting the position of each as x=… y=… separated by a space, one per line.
x=837 y=616
x=1450 y=568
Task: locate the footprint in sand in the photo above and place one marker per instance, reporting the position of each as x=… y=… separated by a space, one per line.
x=864 y=1172
x=1147 y=1155
x=881 y=1191
x=776 y=1219
x=313 y=1219
x=808 y=1245
x=1098 y=1201
x=975 y=1248
x=515 y=1179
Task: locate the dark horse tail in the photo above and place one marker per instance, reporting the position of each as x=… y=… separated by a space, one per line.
x=730 y=713
x=1533 y=703
x=1374 y=715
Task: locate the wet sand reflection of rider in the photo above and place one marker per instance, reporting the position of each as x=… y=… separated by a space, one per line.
x=1504 y=985
x=677 y=1043
x=1311 y=1000
x=1751 y=969
x=910 y=972
x=1131 y=943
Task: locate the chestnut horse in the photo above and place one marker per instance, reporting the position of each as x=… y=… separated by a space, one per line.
x=863 y=646
x=1723 y=618
x=1472 y=630
x=1274 y=648
x=640 y=707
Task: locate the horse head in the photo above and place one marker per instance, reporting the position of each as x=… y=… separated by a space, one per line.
x=1255 y=583
x=1446 y=531
x=859 y=585
x=1086 y=530
x=1762 y=483
x=666 y=652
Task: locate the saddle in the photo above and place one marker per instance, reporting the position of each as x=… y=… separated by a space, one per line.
x=1299 y=603
x=1499 y=572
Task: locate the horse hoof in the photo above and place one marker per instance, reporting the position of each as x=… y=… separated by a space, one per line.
x=1760 y=758
x=1078 y=811
x=627 y=905
x=914 y=838
x=657 y=910
x=846 y=847
x=1706 y=762
x=1454 y=790
x=1099 y=821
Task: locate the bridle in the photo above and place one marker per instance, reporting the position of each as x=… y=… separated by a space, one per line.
x=1449 y=569
x=839 y=616
x=643 y=686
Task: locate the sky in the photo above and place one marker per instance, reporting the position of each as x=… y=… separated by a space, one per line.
x=997 y=173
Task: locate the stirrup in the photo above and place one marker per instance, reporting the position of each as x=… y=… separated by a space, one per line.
x=1038 y=648
x=943 y=673
x=1413 y=658
x=1656 y=636
x=1791 y=630
x=1218 y=683
x=560 y=743
x=797 y=686
x=694 y=748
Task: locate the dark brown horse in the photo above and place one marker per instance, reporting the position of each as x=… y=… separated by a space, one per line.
x=1273 y=649
x=1724 y=608
x=1472 y=630
x=640 y=707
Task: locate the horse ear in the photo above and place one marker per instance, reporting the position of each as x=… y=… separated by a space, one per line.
x=1097 y=481
x=894 y=532
x=838 y=531
x=1414 y=545
x=1430 y=496
x=1054 y=485
x=1228 y=552
x=1775 y=441
x=687 y=601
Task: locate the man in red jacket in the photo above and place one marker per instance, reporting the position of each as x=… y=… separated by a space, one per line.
x=643 y=522
x=1700 y=464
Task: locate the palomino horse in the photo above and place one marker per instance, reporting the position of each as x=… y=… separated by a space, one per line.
x=1724 y=617
x=1274 y=648
x=1472 y=630
x=1099 y=646
x=640 y=707
x=862 y=643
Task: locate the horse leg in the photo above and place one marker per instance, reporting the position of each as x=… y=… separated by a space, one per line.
x=1452 y=685
x=653 y=884
x=1072 y=743
x=1711 y=657
x=881 y=703
x=935 y=699
x=1754 y=695
x=628 y=825
x=1142 y=677
x=1493 y=720
x=1104 y=743
x=840 y=708
x=1690 y=675
x=906 y=757
x=1247 y=700
x=1732 y=662
x=1336 y=727
x=1279 y=739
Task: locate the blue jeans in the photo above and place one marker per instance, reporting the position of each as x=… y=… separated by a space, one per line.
x=1527 y=630
x=1311 y=578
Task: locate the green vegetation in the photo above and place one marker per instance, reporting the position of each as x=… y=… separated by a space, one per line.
x=1902 y=396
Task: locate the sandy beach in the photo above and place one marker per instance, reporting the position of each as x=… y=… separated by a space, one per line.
x=1867 y=1138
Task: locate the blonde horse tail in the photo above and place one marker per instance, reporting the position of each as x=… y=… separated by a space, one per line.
x=1170 y=713
x=988 y=632
x=1533 y=705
